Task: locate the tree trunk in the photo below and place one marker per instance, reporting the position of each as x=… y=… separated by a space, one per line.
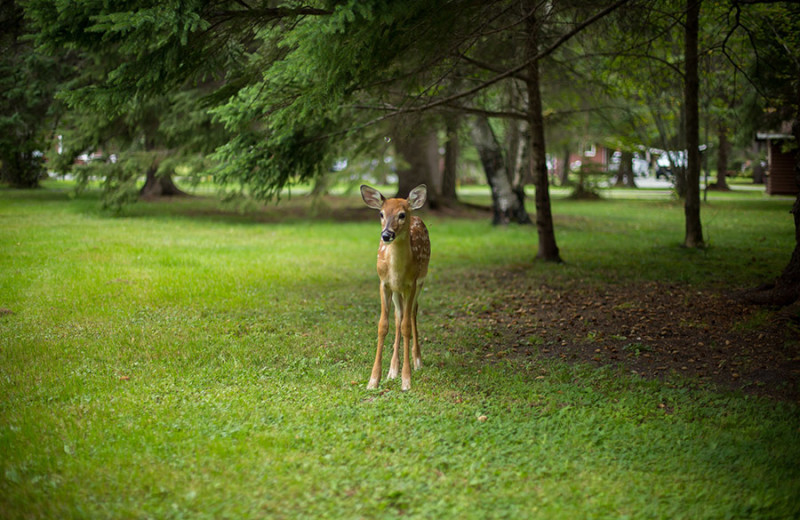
x=495 y=167
x=517 y=145
x=678 y=164
x=155 y=187
x=20 y=169
x=419 y=149
x=548 y=250
x=564 y=175
x=322 y=185
x=625 y=174
x=758 y=171
x=520 y=176
x=451 y=153
x=694 y=229
x=722 y=157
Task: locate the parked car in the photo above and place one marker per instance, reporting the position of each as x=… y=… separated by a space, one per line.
x=673 y=159
x=667 y=161
x=639 y=164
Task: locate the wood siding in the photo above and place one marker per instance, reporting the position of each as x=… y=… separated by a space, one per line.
x=781 y=179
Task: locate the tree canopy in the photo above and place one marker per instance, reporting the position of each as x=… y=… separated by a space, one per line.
x=294 y=81
x=28 y=82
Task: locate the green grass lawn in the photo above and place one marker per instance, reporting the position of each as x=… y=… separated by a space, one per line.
x=184 y=362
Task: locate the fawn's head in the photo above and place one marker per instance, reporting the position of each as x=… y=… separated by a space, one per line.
x=395 y=213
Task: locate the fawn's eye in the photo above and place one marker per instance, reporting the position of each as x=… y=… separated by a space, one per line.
x=381 y=214
x=401 y=216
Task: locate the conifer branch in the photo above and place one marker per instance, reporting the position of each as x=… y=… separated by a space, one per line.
x=516 y=70
x=272 y=13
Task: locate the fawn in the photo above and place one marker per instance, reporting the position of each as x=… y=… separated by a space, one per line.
x=403 y=257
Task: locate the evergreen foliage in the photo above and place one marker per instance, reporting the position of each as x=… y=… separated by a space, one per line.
x=290 y=124
x=28 y=82
x=296 y=84
x=287 y=79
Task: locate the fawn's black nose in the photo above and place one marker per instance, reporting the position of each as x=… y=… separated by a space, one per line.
x=387 y=236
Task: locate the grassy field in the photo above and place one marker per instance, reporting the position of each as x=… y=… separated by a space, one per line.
x=185 y=362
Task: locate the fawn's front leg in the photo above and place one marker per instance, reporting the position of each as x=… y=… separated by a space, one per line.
x=408 y=315
x=394 y=367
x=416 y=352
x=383 y=329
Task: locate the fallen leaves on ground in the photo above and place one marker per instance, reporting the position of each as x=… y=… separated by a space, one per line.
x=653 y=329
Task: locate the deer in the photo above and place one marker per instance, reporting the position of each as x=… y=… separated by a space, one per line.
x=403 y=255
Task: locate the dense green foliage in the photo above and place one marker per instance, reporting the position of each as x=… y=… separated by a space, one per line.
x=115 y=109
x=300 y=73
x=776 y=72
x=299 y=85
x=28 y=82
x=152 y=137
x=219 y=372
x=326 y=64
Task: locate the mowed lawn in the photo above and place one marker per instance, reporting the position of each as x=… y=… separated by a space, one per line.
x=184 y=362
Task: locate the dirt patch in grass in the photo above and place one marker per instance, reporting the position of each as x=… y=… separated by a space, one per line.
x=653 y=329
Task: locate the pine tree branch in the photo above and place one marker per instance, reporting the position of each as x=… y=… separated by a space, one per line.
x=394 y=110
x=271 y=13
x=515 y=70
x=488 y=66
x=449 y=101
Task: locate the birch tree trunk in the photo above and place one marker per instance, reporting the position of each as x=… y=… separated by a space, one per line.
x=491 y=154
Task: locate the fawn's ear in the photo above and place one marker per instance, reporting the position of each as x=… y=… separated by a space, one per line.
x=372 y=197
x=418 y=196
